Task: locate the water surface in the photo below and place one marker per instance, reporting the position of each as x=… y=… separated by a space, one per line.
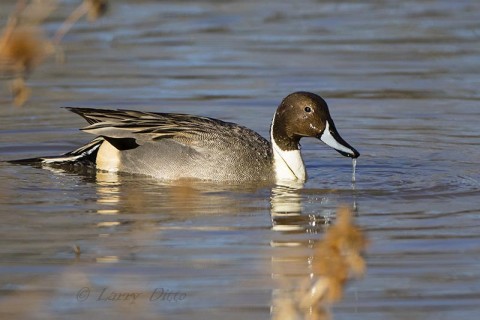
x=401 y=79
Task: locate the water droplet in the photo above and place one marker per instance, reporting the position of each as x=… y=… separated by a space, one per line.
x=354 y=166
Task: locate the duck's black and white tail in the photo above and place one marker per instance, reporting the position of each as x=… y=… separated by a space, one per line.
x=85 y=155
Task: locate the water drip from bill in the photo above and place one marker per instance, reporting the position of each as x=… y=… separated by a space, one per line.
x=354 y=166
x=354 y=169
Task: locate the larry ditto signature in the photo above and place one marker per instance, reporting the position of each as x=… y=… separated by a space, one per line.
x=107 y=295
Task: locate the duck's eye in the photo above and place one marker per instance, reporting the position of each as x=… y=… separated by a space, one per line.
x=308 y=109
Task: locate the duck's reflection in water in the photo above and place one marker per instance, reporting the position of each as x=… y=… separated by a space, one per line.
x=108 y=191
x=177 y=200
x=287 y=210
x=311 y=262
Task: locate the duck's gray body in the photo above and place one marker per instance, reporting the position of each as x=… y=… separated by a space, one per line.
x=175 y=146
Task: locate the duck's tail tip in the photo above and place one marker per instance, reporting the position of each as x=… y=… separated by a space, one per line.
x=86 y=153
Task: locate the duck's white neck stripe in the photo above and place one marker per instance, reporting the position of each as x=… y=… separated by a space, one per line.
x=289 y=164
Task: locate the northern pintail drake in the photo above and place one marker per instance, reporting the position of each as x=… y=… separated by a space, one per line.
x=175 y=146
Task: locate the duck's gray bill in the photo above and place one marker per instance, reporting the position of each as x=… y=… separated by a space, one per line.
x=332 y=139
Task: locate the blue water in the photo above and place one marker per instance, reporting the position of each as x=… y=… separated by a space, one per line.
x=401 y=79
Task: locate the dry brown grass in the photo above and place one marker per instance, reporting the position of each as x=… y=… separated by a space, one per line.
x=24 y=46
x=22 y=49
x=336 y=259
x=93 y=9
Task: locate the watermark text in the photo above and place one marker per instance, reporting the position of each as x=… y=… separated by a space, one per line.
x=115 y=296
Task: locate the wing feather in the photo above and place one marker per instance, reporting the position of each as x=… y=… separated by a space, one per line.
x=145 y=126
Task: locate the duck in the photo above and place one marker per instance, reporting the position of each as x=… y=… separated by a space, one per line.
x=174 y=146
